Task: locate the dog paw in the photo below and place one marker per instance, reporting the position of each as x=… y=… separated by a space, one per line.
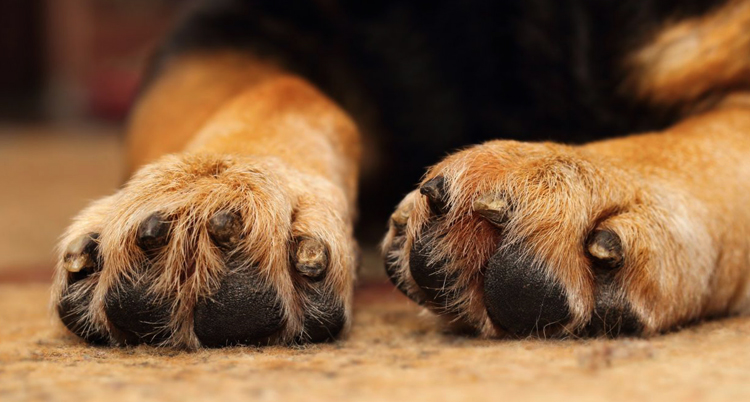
x=209 y=250
x=549 y=240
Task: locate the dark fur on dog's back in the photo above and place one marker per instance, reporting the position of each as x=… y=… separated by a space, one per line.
x=429 y=77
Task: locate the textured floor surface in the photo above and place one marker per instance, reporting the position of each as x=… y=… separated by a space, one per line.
x=392 y=352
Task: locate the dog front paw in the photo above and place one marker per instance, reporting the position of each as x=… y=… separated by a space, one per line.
x=549 y=240
x=209 y=250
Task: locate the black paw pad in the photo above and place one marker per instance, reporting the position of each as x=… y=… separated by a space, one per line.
x=72 y=311
x=391 y=268
x=324 y=317
x=398 y=221
x=612 y=321
x=137 y=313
x=241 y=311
x=520 y=298
x=613 y=315
x=429 y=276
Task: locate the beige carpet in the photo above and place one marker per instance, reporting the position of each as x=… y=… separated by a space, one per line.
x=392 y=352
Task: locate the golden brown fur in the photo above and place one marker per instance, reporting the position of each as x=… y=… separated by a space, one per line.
x=684 y=223
x=221 y=131
x=693 y=63
x=262 y=143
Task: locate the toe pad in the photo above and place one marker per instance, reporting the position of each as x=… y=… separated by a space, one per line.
x=241 y=311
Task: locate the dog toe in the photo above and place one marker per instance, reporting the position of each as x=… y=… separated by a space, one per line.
x=81 y=260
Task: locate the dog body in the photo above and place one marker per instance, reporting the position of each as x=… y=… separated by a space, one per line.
x=237 y=224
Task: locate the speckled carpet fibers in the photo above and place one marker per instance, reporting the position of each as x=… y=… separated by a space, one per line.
x=392 y=353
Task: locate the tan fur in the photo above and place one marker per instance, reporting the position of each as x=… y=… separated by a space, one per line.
x=248 y=139
x=694 y=61
x=684 y=222
x=188 y=92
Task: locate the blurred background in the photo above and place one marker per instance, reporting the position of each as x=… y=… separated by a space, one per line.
x=69 y=70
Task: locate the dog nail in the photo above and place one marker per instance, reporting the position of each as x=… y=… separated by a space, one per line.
x=493 y=208
x=606 y=247
x=153 y=232
x=434 y=190
x=81 y=253
x=225 y=228
x=311 y=258
x=400 y=217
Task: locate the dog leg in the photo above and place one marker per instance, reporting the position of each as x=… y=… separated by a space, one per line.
x=242 y=235
x=628 y=236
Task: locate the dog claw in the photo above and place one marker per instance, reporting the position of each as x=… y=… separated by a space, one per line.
x=400 y=217
x=493 y=208
x=152 y=232
x=434 y=190
x=80 y=254
x=311 y=258
x=78 y=263
x=606 y=247
x=225 y=228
